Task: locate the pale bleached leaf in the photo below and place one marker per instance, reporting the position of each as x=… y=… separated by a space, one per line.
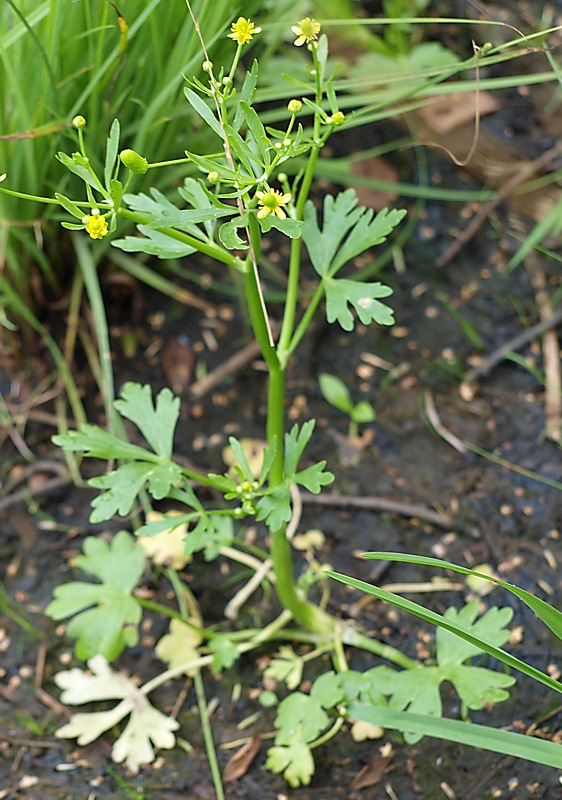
x=147 y=727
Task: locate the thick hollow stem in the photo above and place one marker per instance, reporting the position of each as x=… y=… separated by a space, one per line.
x=308 y=615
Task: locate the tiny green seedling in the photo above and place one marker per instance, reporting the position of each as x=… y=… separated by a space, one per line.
x=337 y=394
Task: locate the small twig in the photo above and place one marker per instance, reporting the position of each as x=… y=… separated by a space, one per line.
x=513 y=345
x=236 y=362
x=48 y=486
x=384 y=504
x=525 y=172
x=438 y=426
x=40 y=693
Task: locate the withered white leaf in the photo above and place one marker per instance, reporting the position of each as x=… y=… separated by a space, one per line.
x=146 y=727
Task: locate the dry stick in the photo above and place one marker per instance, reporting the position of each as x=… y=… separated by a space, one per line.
x=384 y=504
x=525 y=172
x=519 y=341
x=23 y=494
x=229 y=367
x=438 y=426
x=51 y=485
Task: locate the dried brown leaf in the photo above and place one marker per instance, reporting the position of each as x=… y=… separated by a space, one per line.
x=240 y=762
x=371 y=774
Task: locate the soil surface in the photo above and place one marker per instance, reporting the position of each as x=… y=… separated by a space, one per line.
x=475 y=458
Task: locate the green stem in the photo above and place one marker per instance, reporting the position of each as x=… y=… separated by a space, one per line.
x=199 y=687
x=292 y=296
x=47 y=200
x=256 y=309
x=207 y=248
x=208 y=735
x=305 y=321
x=308 y=615
x=355 y=638
x=295 y=264
x=89 y=270
x=329 y=734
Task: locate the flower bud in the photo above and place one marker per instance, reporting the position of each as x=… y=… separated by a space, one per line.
x=213 y=177
x=134 y=162
x=79 y=121
x=338 y=118
x=207 y=66
x=294 y=106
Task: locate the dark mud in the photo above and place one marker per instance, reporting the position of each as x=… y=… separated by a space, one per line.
x=499 y=517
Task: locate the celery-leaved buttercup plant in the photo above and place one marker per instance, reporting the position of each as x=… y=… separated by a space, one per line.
x=241 y=194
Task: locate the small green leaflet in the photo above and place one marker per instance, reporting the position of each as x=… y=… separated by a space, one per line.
x=418 y=690
x=224 y=651
x=69 y=206
x=300 y=720
x=210 y=534
x=105 y=615
x=112 y=148
x=362 y=297
x=290 y=227
x=343 y=218
x=228 y=233
x=274 y=507
x=156 y=244
x=157 y=423
x=162 y=213
x=285 y=667
x=76 y=165
x=122 y=486
x=94 y=442
x=304 y=714
x=202 y=109
x=247 y=93
x=294 y=760
x=257 y=132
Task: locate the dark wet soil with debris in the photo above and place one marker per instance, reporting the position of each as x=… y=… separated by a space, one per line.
x=492 y=513
x=494 y=509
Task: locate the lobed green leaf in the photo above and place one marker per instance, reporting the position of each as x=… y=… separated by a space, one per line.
x=157 y=422
x=362 y=297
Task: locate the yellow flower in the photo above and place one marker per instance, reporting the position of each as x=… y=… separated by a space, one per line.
x=272 y=202
x=307 y=31
x=336 y=119
x=96 y=225
x=243 y=30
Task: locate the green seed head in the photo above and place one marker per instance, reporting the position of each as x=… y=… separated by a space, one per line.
x=134 y=162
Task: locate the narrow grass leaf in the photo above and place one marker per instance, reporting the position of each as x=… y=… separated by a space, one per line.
x=436 y=619
x=540 y=751
x=551 y=617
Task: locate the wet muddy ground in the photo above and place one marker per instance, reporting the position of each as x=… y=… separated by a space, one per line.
x=493 y=510
x=495 y=514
